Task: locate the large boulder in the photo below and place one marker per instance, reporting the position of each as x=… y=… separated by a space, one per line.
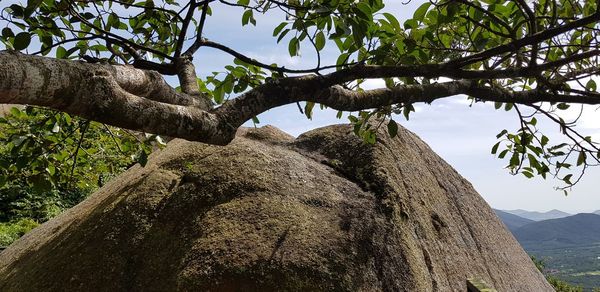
x=272 y=213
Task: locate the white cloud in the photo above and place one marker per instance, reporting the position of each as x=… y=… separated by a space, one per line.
x=373 y=84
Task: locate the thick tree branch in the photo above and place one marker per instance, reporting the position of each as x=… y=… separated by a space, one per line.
x=48 y=76
x=116 y=95
x=141 y=100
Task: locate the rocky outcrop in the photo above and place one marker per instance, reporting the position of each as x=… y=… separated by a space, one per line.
x=272 y=213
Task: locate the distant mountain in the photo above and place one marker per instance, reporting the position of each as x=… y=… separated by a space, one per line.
x=539 y=216
x=576 y=230
x=512 y=221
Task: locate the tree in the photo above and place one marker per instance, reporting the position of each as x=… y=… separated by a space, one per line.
x=557 y=284
x=50 y=161
x=533 y=58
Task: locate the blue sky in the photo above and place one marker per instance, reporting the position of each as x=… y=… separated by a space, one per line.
x=462 y=135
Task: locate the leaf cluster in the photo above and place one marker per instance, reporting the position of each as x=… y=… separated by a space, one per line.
x=51 y=161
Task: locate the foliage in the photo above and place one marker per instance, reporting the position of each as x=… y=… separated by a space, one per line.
x=562 y=286
x=532 y=58
x=50 y=161
x=559 y=285
x=10 y=232
x=577 y=265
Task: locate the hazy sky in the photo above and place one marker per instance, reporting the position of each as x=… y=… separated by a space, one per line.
x=462 y=135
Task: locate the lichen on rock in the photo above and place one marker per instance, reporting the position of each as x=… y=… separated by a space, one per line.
x=322 y=212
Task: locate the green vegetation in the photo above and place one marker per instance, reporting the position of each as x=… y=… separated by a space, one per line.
x=568 y=246
x=559 y=285
x=50 y=161
x=578 y=265
x=10 y=232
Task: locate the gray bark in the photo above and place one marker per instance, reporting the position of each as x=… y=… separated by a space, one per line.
x=141 y=100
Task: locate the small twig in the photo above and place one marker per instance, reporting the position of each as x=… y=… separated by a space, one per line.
x=75 y=155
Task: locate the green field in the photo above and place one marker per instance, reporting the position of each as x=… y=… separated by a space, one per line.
x=576 y=265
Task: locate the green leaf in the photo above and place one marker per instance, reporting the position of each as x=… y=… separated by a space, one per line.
x=247 y=16
x=421 y=11
x=15 y=111
x=227 y=84
x=527 y=174
x=562 y=106
x=282 y=35
x=342 y=59
x=581 y=158
x=113 y=20
x=544 y=141
x=320 y=41
x=515 y=160
x=364 y=11
x=591 y=85
x=51 y=169
x=22 y=41
x=33 y=4
x=392 y=127
x=407 y=109
x=308 y=108
x=293 y=47
x=533 y=121
x=279 y=28
x=495 y=148
x=503 y=154
x=502 y=133
x=7 y=32
x=61 y=53
x=369 y=136
x=142 y=158
x=219 y=94
x=393 y=21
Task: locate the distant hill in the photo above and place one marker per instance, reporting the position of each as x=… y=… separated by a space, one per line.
x=569 y=246
x=539 y=216
x=512 y=221
x=576 y=230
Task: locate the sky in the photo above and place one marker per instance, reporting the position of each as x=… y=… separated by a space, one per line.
x=461 y=134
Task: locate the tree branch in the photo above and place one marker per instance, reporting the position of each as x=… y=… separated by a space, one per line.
x=184 y=26
x=529 y=40
x=198 y=42
x=141 y=100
